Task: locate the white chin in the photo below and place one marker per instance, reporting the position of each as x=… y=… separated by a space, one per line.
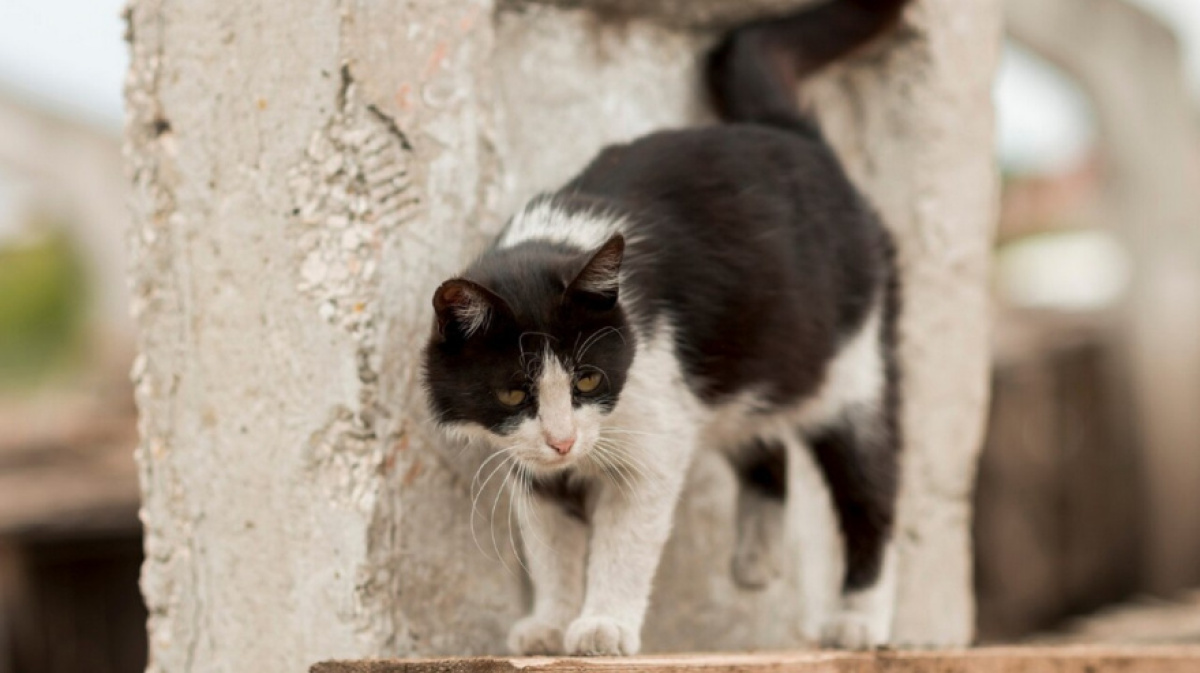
x=547 y=465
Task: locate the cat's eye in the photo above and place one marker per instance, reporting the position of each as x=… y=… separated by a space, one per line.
x=588 y=382
x=511 y=397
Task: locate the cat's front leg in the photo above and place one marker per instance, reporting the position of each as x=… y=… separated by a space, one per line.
x=630 y=526
x=554 y=536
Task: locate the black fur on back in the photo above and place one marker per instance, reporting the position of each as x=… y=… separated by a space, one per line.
x=752 y=242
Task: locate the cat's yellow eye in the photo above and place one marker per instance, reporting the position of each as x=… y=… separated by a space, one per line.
x=511 y=397
x=588 y=382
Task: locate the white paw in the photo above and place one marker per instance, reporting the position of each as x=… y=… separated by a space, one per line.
x=534 y=635
x=754 y=567
x=850 y=631
x=601 y=636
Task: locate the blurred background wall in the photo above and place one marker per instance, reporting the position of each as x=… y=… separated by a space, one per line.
x=1089 y=487
x=1089 y=481
x=70 y=541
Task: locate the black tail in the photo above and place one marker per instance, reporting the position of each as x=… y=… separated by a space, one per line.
x=754 y=72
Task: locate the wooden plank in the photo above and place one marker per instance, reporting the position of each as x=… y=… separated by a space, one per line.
x=986 y=660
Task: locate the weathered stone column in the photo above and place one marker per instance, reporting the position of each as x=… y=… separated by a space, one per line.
x=305 y=174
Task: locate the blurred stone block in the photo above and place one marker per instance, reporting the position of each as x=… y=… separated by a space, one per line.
x=1058 y=501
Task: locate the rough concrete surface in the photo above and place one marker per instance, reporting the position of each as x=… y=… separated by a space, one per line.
x=306 y=173
x=1025 y=660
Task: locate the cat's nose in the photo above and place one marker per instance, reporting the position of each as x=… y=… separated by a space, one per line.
x=562 y=446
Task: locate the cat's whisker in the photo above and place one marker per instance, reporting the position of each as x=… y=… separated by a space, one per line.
x=621 y=482
x=505 y=486
x=514 y=510
x=492 y=518
x=627 y=431
x=465 y=443
x=595 y=338
x=476 y=488
x=580 y=350
x=525 y=362
x=528 y=512
x=475 y=501
x=625 y=473
x=620 y=475
x=636 y=482
x=610 y=469
x=648 y=471
x=630 y=441
x=526 y=520
x=479 y=470
x=635 y=465
x=538 y=523
x=632 y=478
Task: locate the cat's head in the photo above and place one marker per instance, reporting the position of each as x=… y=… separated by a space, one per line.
x=530 y=350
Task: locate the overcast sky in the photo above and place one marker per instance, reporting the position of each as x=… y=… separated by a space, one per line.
x=68 y=54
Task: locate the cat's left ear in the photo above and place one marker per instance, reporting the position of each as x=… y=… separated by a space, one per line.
x=598 y=283
x=463 y=309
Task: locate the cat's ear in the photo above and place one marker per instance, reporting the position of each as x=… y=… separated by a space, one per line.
x=464 y=308
x=599 y=282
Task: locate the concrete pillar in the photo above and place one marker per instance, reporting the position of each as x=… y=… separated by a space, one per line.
x=305 y=175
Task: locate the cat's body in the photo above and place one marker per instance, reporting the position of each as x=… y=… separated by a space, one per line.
x=723 y=288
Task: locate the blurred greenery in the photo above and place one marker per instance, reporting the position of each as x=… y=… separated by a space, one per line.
x=42 y=306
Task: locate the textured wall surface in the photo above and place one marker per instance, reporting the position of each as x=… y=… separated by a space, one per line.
x=305 y=174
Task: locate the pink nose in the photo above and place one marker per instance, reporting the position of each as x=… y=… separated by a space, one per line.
x=562 y=446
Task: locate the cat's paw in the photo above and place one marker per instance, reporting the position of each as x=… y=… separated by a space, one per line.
x=601 y=636
x=850 y=631
x=534 y=635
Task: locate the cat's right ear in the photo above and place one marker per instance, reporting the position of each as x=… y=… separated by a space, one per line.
x=463 y=308
x=598 y=283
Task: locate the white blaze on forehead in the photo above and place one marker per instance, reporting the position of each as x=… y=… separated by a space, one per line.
x=543 y=219
x=554 y=400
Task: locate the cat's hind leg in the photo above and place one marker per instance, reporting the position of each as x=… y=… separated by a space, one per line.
x=761 y=469
x=859 y=458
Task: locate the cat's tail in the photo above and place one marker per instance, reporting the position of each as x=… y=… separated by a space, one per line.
x=754 y=71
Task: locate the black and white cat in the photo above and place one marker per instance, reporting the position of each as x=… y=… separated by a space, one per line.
x=721 y=288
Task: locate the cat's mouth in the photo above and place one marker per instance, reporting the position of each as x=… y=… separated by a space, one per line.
x=550 y=462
